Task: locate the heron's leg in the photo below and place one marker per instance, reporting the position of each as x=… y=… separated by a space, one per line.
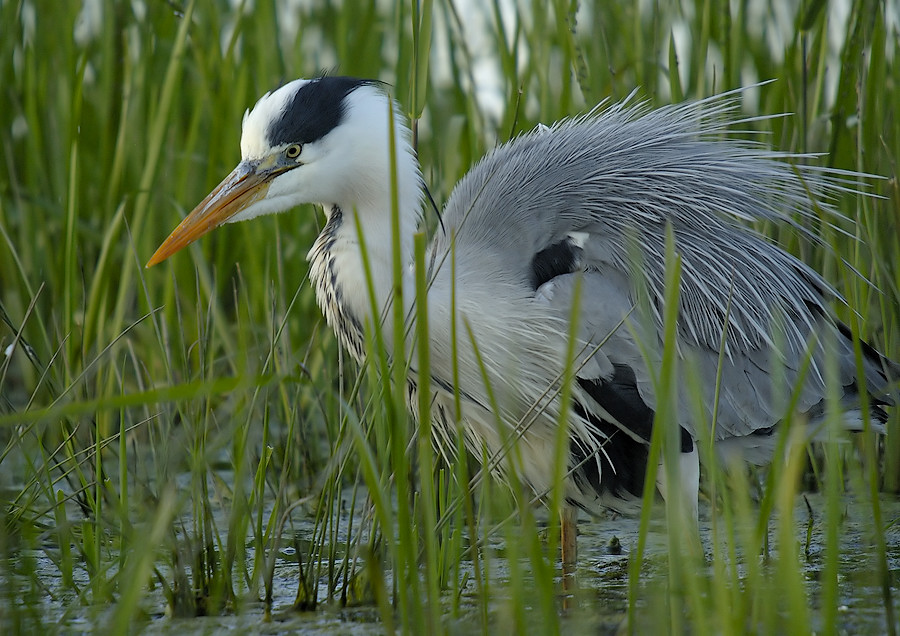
x=689 y=478
x=568 y=537
x=685 y=497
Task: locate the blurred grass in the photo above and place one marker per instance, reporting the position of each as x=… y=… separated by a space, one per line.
x=157 y=426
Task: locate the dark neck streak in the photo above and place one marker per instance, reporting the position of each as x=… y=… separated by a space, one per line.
x=329 y=295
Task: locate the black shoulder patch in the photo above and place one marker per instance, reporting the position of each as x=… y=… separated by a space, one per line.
x=558 y=259
x=619 y=469
x=620 y=398
x=316 y=109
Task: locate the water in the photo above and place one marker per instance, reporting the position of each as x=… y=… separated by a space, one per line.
x=601 y=597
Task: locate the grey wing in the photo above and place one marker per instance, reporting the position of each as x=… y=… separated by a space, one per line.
x=597 y=195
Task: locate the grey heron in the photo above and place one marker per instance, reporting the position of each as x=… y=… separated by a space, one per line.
x=553 y=211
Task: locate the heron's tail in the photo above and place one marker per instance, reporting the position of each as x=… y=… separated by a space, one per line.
x=882 y=375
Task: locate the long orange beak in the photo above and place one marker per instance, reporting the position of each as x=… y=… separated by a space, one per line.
x=244 y=186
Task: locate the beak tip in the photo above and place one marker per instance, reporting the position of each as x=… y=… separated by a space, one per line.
x=236 y=192
x=156 y=259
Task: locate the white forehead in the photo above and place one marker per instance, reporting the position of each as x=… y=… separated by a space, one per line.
x=254 y=140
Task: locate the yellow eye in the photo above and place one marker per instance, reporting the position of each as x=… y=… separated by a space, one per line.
x=293 y=151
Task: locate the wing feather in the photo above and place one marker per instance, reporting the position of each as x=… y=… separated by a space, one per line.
x=587 y=205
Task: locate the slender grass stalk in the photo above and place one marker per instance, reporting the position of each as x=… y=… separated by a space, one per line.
x=140 y=568
x=834 y=483
x=65 y=541
x=422 y=34
x=871 y=476
x=796 y=602
x=99 y=529
x=423 y=434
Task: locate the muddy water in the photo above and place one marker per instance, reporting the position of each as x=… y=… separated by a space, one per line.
x=601 y=596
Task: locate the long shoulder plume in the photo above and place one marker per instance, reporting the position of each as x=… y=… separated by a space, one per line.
x=625 y=171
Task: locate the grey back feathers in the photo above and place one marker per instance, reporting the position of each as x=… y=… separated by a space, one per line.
x=595 y=195
x=622 y=175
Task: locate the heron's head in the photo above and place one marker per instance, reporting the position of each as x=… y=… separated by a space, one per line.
x=323 y=141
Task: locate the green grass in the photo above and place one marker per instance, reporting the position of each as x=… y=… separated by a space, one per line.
x=167 y=432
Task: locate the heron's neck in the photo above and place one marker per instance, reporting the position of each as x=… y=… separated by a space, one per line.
x=338 y=271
